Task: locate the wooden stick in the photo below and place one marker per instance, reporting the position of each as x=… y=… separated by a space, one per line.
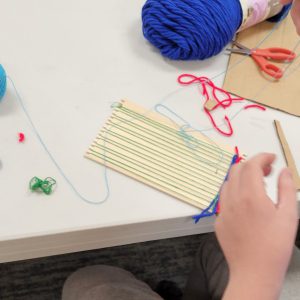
x=287 y=154
x=151 y=149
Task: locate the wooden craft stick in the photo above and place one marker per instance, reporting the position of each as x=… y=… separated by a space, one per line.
x=147 y=147
x=287 y=154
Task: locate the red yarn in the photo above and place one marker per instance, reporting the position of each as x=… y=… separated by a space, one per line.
x=216 y=126
x=218 y=210
x=21 y=137
x=255 y=106
x=206 y=83
x=237 y=152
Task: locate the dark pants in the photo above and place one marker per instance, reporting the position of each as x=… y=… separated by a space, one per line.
x=209 y=276
x=207 y=280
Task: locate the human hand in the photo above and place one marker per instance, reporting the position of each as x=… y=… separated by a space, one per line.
x=295 y=13
x=256 y=235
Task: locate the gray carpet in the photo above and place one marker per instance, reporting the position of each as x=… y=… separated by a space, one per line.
x=42 y=279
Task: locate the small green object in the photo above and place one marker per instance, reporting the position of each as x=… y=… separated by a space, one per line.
x=116 y=105
x=45 y=186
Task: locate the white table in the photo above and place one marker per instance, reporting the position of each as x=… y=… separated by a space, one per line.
x=70 y=60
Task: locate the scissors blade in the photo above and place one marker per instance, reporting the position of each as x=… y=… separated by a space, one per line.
x=240 y=49
x=240 y=46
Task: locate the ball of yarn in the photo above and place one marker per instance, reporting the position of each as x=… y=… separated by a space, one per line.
x=2 y=82
x=191 y=29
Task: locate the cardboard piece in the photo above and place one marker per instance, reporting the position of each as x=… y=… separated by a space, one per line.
x=245 y=79
x=151 y=149
x=287 y=154
x=210 y=104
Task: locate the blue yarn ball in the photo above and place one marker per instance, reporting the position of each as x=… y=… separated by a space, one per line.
x=191 y=29
x=2 y=82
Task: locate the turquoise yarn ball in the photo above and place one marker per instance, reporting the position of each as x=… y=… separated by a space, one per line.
x=2 y=82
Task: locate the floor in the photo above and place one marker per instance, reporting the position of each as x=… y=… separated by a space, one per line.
x=43 y=278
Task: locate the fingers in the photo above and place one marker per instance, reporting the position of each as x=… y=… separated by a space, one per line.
x=234 y=172
x=223 y=193
x=249 y=176
x=253 y=172
x=267 y=170
x=287 y=199
x=263 y=161
x=295 y=13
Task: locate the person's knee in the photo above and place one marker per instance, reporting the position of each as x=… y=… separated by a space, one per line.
x=100 y=273
x=88 y=277
x=105 y=281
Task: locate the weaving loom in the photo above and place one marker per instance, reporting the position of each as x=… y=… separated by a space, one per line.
x=150 y=148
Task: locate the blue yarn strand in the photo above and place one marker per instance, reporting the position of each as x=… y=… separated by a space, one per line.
x=211 y=210
x=2 y=82
x=206 y=212
x=59 y=168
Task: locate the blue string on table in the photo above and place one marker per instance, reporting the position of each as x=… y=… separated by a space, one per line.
x=193 y=29
x=2 y=82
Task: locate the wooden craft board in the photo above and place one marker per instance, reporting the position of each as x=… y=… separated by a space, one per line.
x=149 y=148
x=246 y=80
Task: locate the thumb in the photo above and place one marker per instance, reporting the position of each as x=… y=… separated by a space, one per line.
x=287 y=199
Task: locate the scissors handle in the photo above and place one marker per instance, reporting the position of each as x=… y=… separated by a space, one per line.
x=280 y=54
x=270 y=69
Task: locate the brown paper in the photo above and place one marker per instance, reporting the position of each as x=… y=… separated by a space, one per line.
x=245 y=79
x=287 y=154
x=210 y=104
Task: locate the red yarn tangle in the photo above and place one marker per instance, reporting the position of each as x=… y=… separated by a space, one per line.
x=223 y=98
x=21 y=137
x=255 y=106
x=237 y=153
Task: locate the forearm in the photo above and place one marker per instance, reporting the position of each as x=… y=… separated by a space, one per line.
x=252 y=287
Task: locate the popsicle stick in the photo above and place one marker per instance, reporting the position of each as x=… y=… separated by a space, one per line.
x=287 y=154
x=149 y=148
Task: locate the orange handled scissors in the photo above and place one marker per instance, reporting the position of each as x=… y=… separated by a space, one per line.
x=262 y=58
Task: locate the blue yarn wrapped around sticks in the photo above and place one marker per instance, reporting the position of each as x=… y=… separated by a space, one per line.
x=191 y=29
x=2 y=82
